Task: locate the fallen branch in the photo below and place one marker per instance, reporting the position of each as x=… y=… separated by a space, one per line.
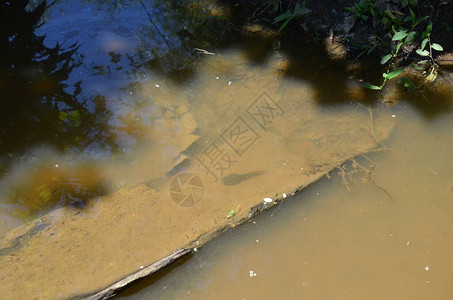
x=115 y=288
x=202 y=51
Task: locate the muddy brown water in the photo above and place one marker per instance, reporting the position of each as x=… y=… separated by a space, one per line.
x=204 y=158
x=140 y=164
x=328 y=243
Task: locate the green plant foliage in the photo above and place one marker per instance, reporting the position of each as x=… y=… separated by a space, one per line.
x=371 y=86
x=407 y=83
x=298 y=11
x=393 y=74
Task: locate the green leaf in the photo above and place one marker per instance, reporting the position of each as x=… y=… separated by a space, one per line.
x=399 y=35
x=398 y=47
x=287 y=14
x=412 y=16
x=410 y=37
x=385 y=58
x=371 y=50
x=301 y=10
x=422 y=47
x=389 y=14
x=437 y=47
x=275 y=8
x=370 y=86
x=422 y=52
x=421 y=65
x=421 y=20
x=284 y=24
x=407 y=83
x=394 y=73
x=404 y=3
x=230 y=214
x=429 y=28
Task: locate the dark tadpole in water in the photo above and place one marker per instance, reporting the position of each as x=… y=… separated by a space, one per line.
x=234 y=179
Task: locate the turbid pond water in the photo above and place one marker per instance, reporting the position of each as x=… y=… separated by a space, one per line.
x=328 y=243
x=124 y=147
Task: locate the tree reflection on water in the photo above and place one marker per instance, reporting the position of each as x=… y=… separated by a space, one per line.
x=36 y=108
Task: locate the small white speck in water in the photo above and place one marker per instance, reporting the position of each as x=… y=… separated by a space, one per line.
x=157 y=85
x=427 y=268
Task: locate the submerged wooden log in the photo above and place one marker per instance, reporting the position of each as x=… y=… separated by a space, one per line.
x=117 y=287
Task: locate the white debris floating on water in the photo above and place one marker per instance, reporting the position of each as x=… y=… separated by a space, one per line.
x=427 y=268
x=252 y=274
x=284 y=195
x=267 y=200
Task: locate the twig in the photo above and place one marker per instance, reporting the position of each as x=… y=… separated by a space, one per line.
x=381 y=188
x=369 y=159
x=160 y=33
x=373 y=132
x=370 y=177
x=204 y=51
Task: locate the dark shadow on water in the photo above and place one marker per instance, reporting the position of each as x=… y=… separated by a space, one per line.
x=335 y=80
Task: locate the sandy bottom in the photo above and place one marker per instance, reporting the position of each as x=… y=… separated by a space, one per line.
x=239 y=135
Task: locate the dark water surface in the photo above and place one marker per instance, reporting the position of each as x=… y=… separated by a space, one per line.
x=71 y=105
